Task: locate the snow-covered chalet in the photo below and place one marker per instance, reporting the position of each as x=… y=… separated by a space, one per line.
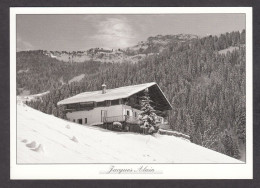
x=114 y=105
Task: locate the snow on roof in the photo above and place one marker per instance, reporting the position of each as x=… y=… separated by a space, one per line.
x=111 y=94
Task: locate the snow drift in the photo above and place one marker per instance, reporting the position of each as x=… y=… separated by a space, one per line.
x=43 y=138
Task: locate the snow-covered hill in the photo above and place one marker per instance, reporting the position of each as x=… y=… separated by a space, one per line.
x=160 y=42
x=230 y=49
x=38 y=96
x=132 y=54
x=43 y=138
x=96 y=54
x=77 y=78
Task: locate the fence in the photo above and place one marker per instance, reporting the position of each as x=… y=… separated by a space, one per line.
x=130 y=127
x=173 y=133
x=112 y=119
x=123 y=118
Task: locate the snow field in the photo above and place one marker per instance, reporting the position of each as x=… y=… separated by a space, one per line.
x=43 y=138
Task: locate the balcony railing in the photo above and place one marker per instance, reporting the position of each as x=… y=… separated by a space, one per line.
x=114 y=119
x=132 y=120
x=123 y=118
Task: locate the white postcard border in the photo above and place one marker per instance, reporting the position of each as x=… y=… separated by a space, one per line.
x=165 y=171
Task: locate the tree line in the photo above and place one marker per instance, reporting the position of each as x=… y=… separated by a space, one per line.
x=45 y=73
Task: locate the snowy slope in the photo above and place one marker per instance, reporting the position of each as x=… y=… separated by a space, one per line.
x=229 y=49
x=24 y=98
x=43 y=138
x=77 y=78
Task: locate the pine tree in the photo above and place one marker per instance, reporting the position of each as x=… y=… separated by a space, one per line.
x=55 y=111
x=62 y=112
x=241 y=127
x=148 y=115
x=228 y=143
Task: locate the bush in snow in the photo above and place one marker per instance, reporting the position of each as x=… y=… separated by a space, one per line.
x=126 y=128
x=151 y=130
x=117 y=125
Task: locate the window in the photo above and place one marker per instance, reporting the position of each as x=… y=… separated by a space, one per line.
x=86 y=120
x=73 y=120
x=108 y=103
x=125 y=101
x=87 y=105
x=80 y=121
x=128 y=112
x=103 y=115
x=135 y=114
x=162 y=120
x=72 y=106
x=99 y=104
x=115 y=102
x=132 y=100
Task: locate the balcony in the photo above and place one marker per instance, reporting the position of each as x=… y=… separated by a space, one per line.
x=123 y=118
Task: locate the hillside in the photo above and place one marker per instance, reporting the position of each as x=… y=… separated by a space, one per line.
x=43 y=138
x=77 y=78
x=94 y=54
x=158 y=43
x=37 y=72
x=206 y=88
x=229 y=49
x=40 y=70
x=131 y=54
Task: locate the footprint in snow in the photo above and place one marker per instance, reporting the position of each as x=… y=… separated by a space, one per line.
x=38 y=149
x=24 y=141
x=74 y=139
x=68 y=126
x=31 y=145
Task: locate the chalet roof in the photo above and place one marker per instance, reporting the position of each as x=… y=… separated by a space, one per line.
x=113 y=94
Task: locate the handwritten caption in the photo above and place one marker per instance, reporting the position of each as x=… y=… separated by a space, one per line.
x=143 y=169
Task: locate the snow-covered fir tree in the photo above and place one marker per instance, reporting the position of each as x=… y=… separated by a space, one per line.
x=148 y=115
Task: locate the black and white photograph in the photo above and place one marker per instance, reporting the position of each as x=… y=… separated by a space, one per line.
x=131 y=89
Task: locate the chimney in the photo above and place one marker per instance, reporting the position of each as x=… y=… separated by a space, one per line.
x=104 y=88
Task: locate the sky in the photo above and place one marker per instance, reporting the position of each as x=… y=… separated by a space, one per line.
x=82 y=32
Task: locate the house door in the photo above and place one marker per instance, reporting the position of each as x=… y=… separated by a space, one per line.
x=103 y=115
x=80 y=121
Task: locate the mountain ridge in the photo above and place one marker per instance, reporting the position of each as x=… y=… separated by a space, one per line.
x=133 y=54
